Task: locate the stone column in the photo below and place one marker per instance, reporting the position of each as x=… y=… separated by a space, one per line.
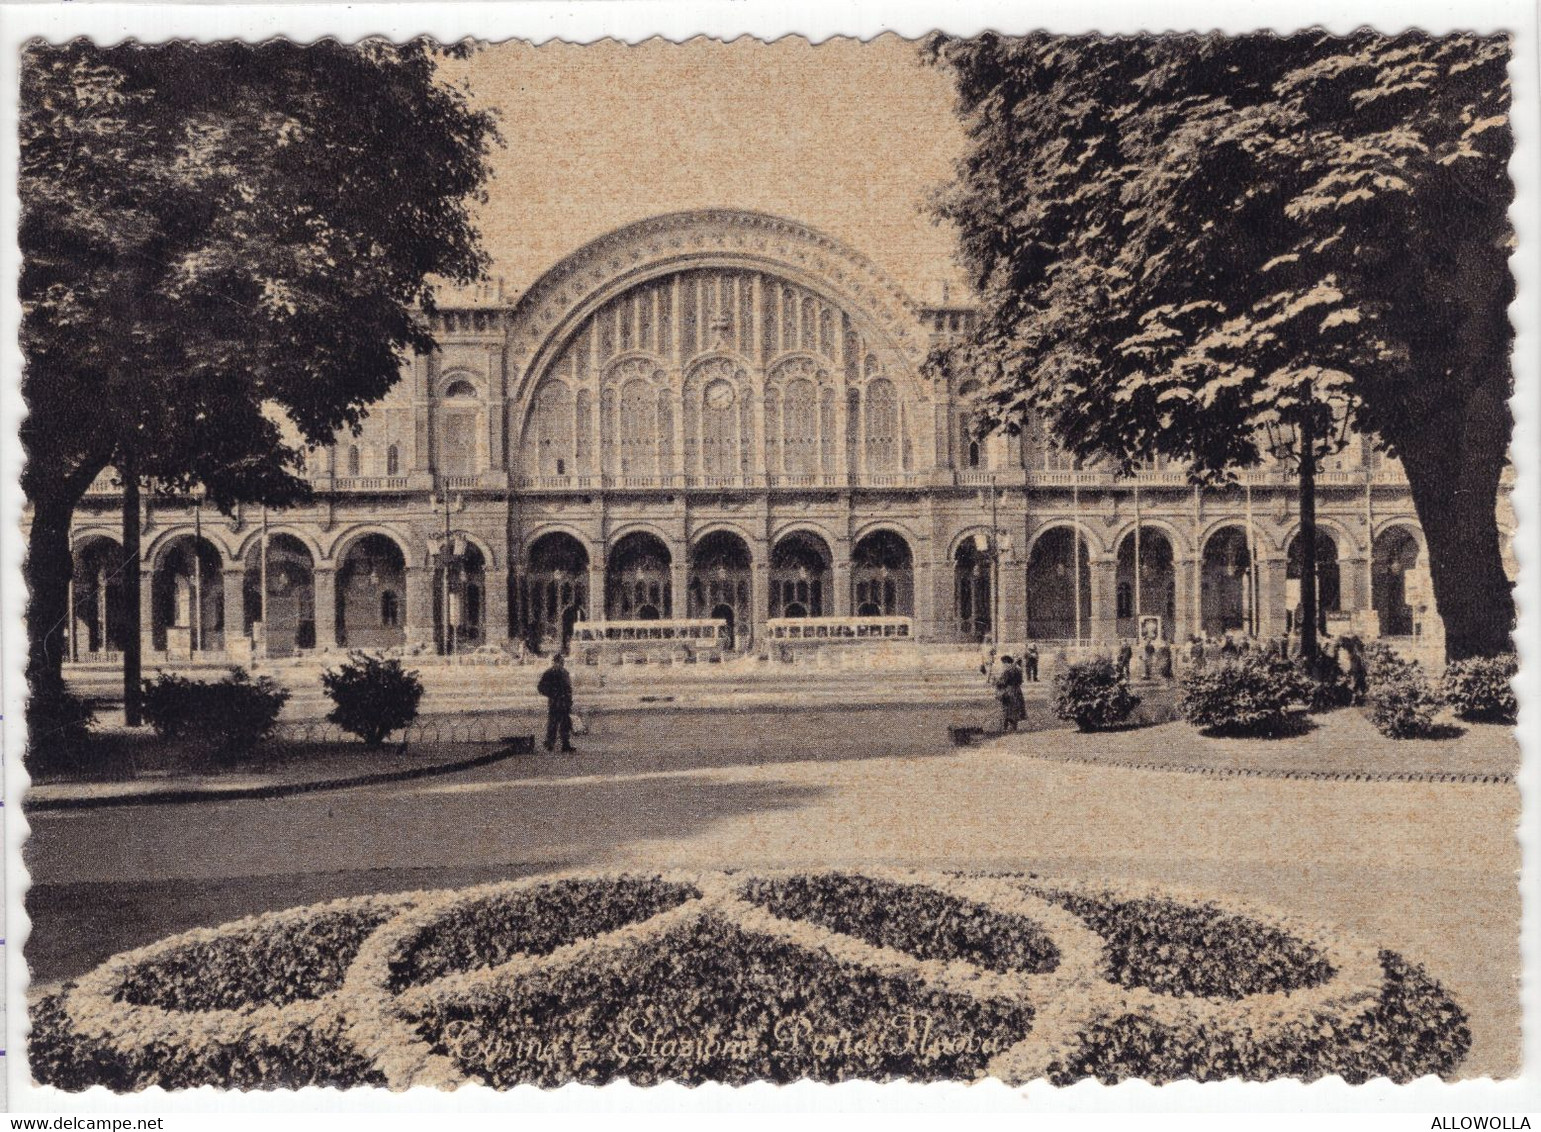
x=1271 y=598
x=495 y=606
x=679 y=581
x=838 y=603
x=1104 y=598
x=1013 y=599
x=325 y=586
x=147 y=609
x=759 y=596
x=927 y=625
x=418 y=616
x=1187 y=600
x=596 y=609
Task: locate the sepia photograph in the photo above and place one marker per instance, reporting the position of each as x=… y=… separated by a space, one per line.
x=957 y=558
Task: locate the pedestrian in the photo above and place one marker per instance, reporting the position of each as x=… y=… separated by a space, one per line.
x=1148 y=660
x=1031 y=658
x=1164 y=660
x=987 y=664
x=556 y=684
x=1196 y=652
x=1358 y=674
x=1008 y=689
x=1125 y=654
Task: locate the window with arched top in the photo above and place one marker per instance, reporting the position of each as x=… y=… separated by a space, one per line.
x=459 y=414
x=971 y=447
x=355 y=464
x=553 y=431
x=882 y=423
x=638 y=429
x=800 y=427
x=719 y=429
x=393 y=461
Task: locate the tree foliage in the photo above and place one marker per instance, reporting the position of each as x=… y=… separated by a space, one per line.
x=1175 y=238
x=210 y=233
x=211 y=229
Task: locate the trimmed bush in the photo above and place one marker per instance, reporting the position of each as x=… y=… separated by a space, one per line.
x=61 y=733
x=231 y=716
x=1254 y=695
x=373 y=696
x=1094 y=694
x=1399 y=701
x=1478 y=689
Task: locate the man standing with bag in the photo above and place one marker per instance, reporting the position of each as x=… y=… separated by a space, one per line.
x=557 y=686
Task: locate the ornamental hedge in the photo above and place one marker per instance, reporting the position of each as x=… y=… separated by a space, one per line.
x=228 y=716
x=1479 y=689
x=1256 y=694
x=1094 y=695
x=1399 y=701
x=779 y=976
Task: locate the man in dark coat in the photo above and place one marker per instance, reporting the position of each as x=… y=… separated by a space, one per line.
x=1125 y=654
x=557 y=686
x=1031 y=660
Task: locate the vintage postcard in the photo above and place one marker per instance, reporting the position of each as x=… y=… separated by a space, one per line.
x=968 y=556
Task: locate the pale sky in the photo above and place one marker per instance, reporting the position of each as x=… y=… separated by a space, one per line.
x=847 y=137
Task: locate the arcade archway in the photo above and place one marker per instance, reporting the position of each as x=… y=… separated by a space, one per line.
x=1396 y=576
x=287 y=610
x=371 y=595
x=555 y=589
x=800 y=566
x=1156 y=595
x=882 y=576
x=637 y=583
x=720 y=575
x=1059 y=585
x=973 y=589
x=187 y=597
x=1227 y=601
x=99 y=620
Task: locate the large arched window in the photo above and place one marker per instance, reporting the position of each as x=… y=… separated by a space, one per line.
x=553 y=428
x=882 y=426
x=970 y=447
x=355 y=465
x=639 y=433
x=719 y=429
x=800 y=428
x=393 y=461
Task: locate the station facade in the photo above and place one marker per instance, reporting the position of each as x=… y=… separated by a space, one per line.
x=724 y=414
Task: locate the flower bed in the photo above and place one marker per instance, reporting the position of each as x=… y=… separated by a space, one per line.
x=917 y=920
x=264 y=965
x=533 y=921
x=711 y=1002
x=1193 y=949
x=726 y=977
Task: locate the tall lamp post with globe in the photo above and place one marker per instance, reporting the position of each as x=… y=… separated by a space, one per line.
x=1304 y=433
x=448 y=552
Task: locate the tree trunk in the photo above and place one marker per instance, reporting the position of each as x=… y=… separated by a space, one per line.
x=1453 y=469
x=47 y=570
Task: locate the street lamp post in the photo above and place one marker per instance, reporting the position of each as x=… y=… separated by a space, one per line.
x=1302 y=438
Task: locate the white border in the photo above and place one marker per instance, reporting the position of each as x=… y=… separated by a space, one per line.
x=632 y=20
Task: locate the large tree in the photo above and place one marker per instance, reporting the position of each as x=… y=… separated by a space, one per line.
x=1178 y=239
x=210 y=232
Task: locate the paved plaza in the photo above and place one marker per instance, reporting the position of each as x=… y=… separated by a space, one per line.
x=1427 y=869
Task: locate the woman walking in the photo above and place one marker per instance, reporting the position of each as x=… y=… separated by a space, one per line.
x=1008 y=689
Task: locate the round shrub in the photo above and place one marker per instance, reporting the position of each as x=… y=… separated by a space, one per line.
x=1402 y=705
x=231 y=716
x=1094 y=694
x=1253 y=695
x=373 y=696
x=1478 y=689
x=60 y=735
x=1399 y=701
